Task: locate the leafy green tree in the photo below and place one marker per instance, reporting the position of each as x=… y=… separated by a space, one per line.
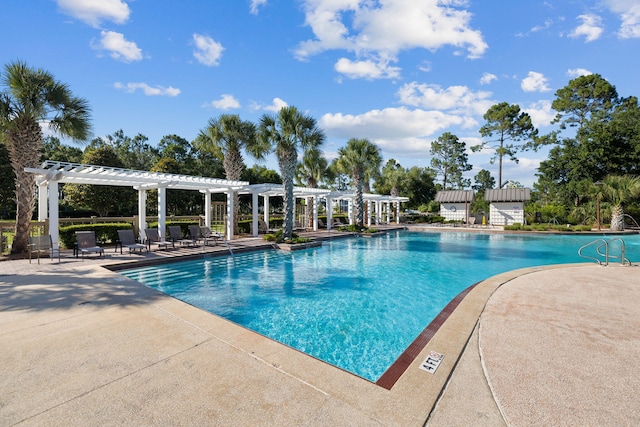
x=391 y=179
x=483 y=181
x=358 y=159
x=33 y=96
x=53 y=149
x=419 y=186
x=450 y=160
x=506 y=126
x=102 y=199
x=258 y=174
x=135 y=153
x=285 y=134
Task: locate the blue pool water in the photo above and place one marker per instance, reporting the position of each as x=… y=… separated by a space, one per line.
x=356 y=303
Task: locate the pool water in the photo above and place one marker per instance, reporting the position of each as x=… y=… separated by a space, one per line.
x=356 y=303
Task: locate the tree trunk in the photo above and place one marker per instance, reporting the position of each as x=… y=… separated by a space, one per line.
x=24 y=149
x=233 y=165
x=617 y=218
x=288 y=161
x=358 y=204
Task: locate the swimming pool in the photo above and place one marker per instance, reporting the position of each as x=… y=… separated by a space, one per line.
x=356 y=303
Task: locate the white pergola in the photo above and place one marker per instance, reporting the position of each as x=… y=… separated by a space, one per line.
x=51 y=173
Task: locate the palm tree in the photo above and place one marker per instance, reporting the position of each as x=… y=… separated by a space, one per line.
x=33 y=97
x=225 y=137
x=285 y=134
x=620 y=189
x=313 y=169
x=359 y=159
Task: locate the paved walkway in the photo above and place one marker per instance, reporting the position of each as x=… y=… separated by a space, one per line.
x=81 y=345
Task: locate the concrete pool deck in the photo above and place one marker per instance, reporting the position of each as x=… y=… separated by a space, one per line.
x=81 y=345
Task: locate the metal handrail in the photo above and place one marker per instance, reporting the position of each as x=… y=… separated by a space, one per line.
x=606 y=255
x=602 y=242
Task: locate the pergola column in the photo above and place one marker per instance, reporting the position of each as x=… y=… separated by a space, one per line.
x=142 y=212
x=350 y=210
x=162 y=212
x=207 y=209
x=254 y=211
x=265 y=214
x=315 y=212
x=397 y=212
x=230 y=217
x=42 y=201
x=53 y=214
x=369 y=206
x=329 y=212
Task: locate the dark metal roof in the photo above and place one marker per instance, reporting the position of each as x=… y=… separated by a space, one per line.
x=455 y=196
x=508 y=195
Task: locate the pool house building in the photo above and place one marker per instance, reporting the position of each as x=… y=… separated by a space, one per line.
x=506 y=205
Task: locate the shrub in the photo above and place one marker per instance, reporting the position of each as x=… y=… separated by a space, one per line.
x=277 y=237
x=106 y=232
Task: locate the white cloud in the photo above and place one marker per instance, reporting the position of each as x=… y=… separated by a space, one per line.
x=397 y=130
x=629 y=11
x=147 y=90
x=276 y=105
x=577 y=72
x=591 y=28
x=208 y=51
x=535 y=82
x=226 y=102
x=541 y=113
x=378 y=31
x=93 y=12
x=487 y=78
x=119 y=48
x=458 y=99
x=255 y=4
x=366 y=69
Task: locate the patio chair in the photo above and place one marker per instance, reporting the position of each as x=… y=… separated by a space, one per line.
x=128 y=240
x=207 y=234
x=196 y=235
x=153 y=238
x=321 y=223
x=175 y=234
x=263 y=228
x=87 y=243
x=42 y=245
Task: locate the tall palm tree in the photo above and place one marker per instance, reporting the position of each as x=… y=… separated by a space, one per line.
x=620 y=189
x=359 y=159
x=225 y=137
x=285 y=134
x=33 y=97
x=313 y=169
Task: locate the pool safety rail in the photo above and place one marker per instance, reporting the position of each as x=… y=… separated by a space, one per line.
x=599 y=245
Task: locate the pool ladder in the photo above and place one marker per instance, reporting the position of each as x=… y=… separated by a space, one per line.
x=599 y=244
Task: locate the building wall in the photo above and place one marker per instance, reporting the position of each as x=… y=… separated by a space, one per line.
x=453 y=211
x=506 y=213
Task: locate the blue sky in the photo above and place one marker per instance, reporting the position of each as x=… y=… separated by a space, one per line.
x=398 y=72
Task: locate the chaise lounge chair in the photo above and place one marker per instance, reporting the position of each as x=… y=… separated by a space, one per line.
x=128 y=240
x=153 y=238
x=175 y=234
x=87 y=243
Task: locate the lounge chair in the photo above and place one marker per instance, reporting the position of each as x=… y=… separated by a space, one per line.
x=321 y=223
x=175 y=234
x=153 y=238
x=128 y=240
x=207 y=234
x=87 y=243
x=262 y=227
x=195 y=232
x=42 y=245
